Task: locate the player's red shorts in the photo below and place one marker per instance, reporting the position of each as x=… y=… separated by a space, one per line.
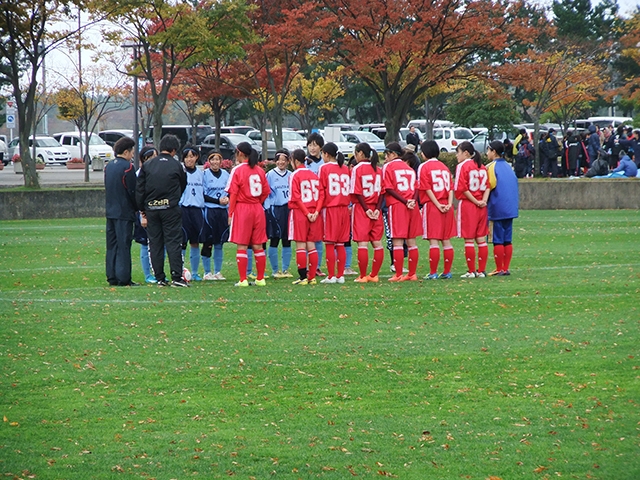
x=248 y=225
x=301 y=229
x=337 y=227
x=437 y=225
x=472 y=220
x=403 y=222
x=363 y=229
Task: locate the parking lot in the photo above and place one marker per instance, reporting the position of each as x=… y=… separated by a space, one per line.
x=51 y=176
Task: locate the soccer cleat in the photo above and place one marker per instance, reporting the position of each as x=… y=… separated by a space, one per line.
x=243 y=283
x=481 y=274
x=209 y=276
x=218 y=276
x=495 y=273
x=373 y=279
x=340 y=280
x=320 y=273
x=350 y=271
x=251 y=276
x=329 y=280
x=179 y=283
x=260 y=283
x=396 y=278
x=163 y=283
x=445 y=276
x=313 y=281
x=468 y=275
x=286 y=274
x=299 y=281
x=393 y=269
x=150 y=279
x=506 y=273
x=196 y=278
x=409 y=278
x=364 y=279
x=277 y=274
x=431 y=276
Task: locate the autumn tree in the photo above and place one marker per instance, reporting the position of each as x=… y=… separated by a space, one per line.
x=401 y=49
x=25 y=40
x=628 y=65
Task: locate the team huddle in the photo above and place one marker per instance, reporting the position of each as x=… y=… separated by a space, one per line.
x=325 y=204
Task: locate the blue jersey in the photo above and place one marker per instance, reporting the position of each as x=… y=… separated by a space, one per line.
x=503 y=199
x=279 y=184
x=193 y=195
x=214 y=187
x=314 y=165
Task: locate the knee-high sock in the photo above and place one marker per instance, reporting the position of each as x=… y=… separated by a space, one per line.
x=301 y=262
x=434 y=258
x=286 y=258
x=398 y=259
x=470 y=256
x=448 y=259
x=378 y=258
x=249 y=261
x=273 y=258
x=508 y=253
x=194 y=257
x=241 y=261
x=313 y=264
x=144 y=260
x=261 y=263
x=363 y=260
x=498 y=256
x=217 y=258
x=330 y=252
x=483 y=256
x=341 y=257
x=349 y=251
x=414 y=255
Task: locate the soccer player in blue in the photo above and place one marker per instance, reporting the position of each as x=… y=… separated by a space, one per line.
x=216 y=227
x=277 y=210
x=192 y=205
x=502 y=206
x=313 y=160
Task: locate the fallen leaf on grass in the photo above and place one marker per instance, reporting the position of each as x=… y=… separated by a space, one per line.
x=540 y=469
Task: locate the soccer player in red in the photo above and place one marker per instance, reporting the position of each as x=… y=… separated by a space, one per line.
x=471 y=188
x=305 y=223
x=248 y=189
x=366 y=219
x=436 y=197
x=399 y=183
x=334 y=182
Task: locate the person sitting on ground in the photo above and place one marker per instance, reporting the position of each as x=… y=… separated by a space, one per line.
x=626 y=166
x=599 y=167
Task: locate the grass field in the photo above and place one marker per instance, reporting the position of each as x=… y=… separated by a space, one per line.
x=530 y=376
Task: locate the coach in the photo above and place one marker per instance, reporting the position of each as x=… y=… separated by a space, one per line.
x=161 y=182
x=120 y=189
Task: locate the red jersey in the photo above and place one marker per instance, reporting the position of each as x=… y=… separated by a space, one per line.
x=435 y=176
x=470 y=177
x=334 y=181
x=248 y=184
x=367 y=182
x=398 y=176
x=304 y=188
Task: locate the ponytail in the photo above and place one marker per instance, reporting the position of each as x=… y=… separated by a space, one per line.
x=340 y=158
x=467 y=146
x=374 y=159
x=368 y=152
x=253 y=158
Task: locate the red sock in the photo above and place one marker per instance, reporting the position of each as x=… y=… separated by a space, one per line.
x=378 y=258
x=330 y=253
x=341 y=255
x=434 y=258
x=363 y=260
x=470 y=255
x=398 y=259
x=498 y=256
x=261 y=263
x=508 y=253
x=448 y=259
x=483 y=254
x=301 y=259
x=313 y=264
x=241 y=261
x=414 y=255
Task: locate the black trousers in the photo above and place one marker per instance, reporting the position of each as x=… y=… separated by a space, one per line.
x=164 y=228
x=118 y=257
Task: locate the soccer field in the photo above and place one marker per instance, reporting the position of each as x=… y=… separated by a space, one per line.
x=532 y=376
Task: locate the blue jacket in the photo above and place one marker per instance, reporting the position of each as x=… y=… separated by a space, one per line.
x=593 y=146
x=503 y=199
x=627 y=166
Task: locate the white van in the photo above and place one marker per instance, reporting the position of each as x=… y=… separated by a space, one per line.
x=606 y=121
x=97 y=147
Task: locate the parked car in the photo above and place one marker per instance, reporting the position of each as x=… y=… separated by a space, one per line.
x=48 y=150
x=4 y=151
x=243 y=129
x=450 y=137
x=382 y=133
x=367 y=127
x=112 y=136
x=97 y=147
x=345 y=127
x=256 y=136
x=183 y=132
x=228 y=144
x=290 y=140
x=421 y=124
x=355 y=137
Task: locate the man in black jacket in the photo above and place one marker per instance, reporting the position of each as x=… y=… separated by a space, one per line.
x=413 y=138
x=160 y=185
x=120 y=186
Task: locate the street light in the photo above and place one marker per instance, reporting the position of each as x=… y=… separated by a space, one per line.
x=136 y=133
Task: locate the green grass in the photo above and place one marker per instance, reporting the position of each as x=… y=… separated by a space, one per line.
x=530 y=376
